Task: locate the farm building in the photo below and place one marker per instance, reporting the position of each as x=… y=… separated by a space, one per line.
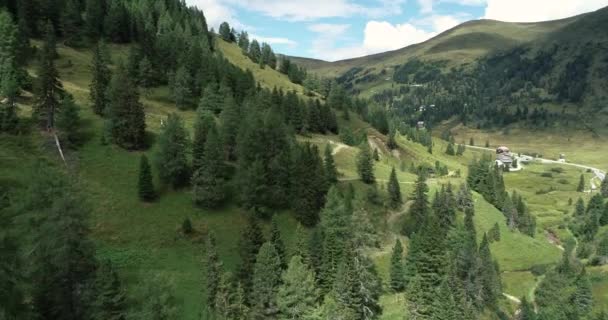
x=504 y=157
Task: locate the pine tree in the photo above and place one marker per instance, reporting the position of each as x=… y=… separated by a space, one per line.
x=336 y=232
x=331 y=173
x=397 y=282
x=471 y=142
x=277 y=241
x=98 y=89
x=171 y=159
x=365 y=165
x=297 y=296
x=450 y=149
x=208 y=182
x=376 y=155
x=419 y=210
x=157 y=298
x=146 y=76
x=126 y=113
x=110 y=302
x=582 y=298
x=255 y=53
x=394 y=190
x=243 y=41
x=212 y=270
x=211 y=100
x=225 y=297
x=308 y=194
x=72 y=23
x=203 y=124
x=230 y=119
x=580 y=208
x=581 y=184
x=249 y=246
x=526 y=310
x=94 y=14
x=68 y=122
x=49 y=89
x=266 y=281
x=392 y=144
x=225 y=31
x=182 y=94
x=145 y=185
x=488 y=275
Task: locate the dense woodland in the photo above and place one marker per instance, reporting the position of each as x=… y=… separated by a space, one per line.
x=244 y=151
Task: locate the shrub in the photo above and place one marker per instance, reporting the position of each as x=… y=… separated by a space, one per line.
x=187 y=226
x=546 y=175
x=557 y=169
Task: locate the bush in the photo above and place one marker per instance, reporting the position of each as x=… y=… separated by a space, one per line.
x=563 y=181
x=557 y=170
x=546 y=175
x=187 y=226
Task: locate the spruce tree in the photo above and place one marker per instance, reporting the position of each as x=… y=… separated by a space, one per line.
x=581 y=184
x=336 y=233
x=266 y=281
x=582 y=298
x=211 y=100
x=249 y=246
x=72 y=23
x=110 y=302
x=203 y=124
x=297 y=295
x=488 y=275
x=225 y=297
x=450 y=149
x=145 y=185
x=397 y=282
x=331 y=173
x=101 y=76
x=277 y=241
x=182 y=94
x=230 y=119
x=419 y=210
x=171 y=159
x=580 y=208
x=394 y=190
x=365 y=165
x=49 y=89
x=126 y=114
x=212 y=270
x=526 y=310
x=94 y=14
x=208 y=182
x=68 y=122
x=392 y=143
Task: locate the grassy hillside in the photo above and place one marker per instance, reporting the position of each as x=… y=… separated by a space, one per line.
x=459 y=45
x=144 y=240
x=267 y=77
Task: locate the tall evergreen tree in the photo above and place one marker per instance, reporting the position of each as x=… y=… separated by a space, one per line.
x=331 y=173
x=94 y=14
x=110 y=302
x=68 y=122
x=145 y=185
x=255 y=52
x=127 y=120
x=211 y=100
x=230 y=119
x=604 y=188
x=49 y=89
x=580 y=208
x=208 y=182
x=526 y=310
x=397 y=282
x=365 y=164
x=171 y=158
x=212 y=270
x=266 y=281
x=203 y=124
x=419 y=210
x=336 y=228
x=249 y=246
x=394 y=190
x=488 y=274
x=182 y=94
x=297 y=296
x=72 y=23
x=277 y=241
x=98 y=89
x=581 y=184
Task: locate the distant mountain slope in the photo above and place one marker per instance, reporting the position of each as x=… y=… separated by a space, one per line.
x=458 y=45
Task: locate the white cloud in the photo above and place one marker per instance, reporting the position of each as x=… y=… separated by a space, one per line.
x=539 y=10
x=426 y=6
x=216 y=13
x=379 y=36
x=275 y=40
x=309 y=10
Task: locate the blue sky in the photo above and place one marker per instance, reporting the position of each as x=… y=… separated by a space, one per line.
x=340 y=29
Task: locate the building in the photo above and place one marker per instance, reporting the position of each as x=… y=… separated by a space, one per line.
x=504 y=157
x=420 y=125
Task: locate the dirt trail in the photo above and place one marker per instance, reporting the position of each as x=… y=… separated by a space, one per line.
x=338 y=147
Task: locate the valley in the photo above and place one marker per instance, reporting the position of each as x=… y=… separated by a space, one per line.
x=246 y=219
